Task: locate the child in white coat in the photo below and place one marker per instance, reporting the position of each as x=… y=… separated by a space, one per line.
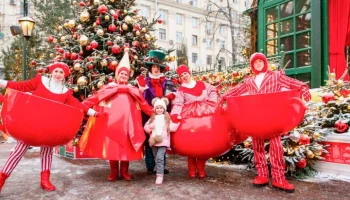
x=159 y=128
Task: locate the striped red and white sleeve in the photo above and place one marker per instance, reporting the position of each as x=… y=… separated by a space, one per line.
x=237 y=90
x=292 y=83
x=178 y=103
x=212 y=92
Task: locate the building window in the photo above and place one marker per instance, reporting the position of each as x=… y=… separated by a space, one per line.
x=223 y=63
x=162 y=16
x=13 y=2
x=179 y=1
x=144 y=11
x=208 y=43
x=209 y=7
x=234 y=15
x=178 y=19
x=194 y=3
x=178 y=36
x=162 y=34
x=222 y=44
x=209 y=60
x=222 y=29
x=209 y=28
x=194 y=40
x=194 y=57
x=194 y=22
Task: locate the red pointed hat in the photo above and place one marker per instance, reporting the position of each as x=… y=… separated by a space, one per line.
x=181 y=69
x=61 y=65
x=256 y=56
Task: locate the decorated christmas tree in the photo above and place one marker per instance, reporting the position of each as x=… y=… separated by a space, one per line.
x=93 y=42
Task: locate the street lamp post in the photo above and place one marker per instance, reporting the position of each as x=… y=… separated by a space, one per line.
x=27 y=26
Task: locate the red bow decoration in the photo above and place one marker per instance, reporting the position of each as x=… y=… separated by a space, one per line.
x=157 y=81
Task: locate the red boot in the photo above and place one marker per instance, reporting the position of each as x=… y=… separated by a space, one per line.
x=260 y=181
x=3 y=178
x=200 y=168
x=45 y=181
x=284 y=185
x=124 y=168
x=191 y=167
x=114 y=165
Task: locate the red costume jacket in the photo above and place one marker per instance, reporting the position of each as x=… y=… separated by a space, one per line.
x=121 y=136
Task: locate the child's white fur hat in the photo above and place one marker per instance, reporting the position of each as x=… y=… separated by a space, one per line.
x=160 y=102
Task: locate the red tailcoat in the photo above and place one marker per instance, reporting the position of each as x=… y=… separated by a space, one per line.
x=121 y=136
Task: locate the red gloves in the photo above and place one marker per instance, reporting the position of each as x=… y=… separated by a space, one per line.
x=101 y=114
x=141 y=80
x=175 y=118
x=305 y=93
x=171 y=96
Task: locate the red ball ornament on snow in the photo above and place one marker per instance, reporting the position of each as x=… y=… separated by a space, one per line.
x=97 y=22
x=160 y=21
x=113 y=65
x=301 y=163
x=235 y=74
x=115 y=16
x=102 y=9
x=90 y=66
x=116 y=49
x=33 y=63
x=73 y=56
x=112 y=28
x=304 y=139
x=50 y=39
x=88 y=48
x=341 y=126
x=109 y=43
x=57 y=46
x=81 y=4
x=327 y=96
x=21 y=110
x=94 y=44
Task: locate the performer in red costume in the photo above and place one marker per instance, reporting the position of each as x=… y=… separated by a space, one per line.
x=121 y=138
x=193 y=99
x=266 y=81
x=52 y=88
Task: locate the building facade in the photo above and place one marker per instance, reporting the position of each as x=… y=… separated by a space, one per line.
x=185 y=22
x=10 y=12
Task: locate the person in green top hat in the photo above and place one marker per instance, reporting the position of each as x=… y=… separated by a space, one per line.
x=154 y=85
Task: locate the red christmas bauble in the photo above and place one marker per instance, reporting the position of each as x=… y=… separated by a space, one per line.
x=67 y=55
x=102 y=9
x=109 y=43
x=73 y=56
x=116 y=49
x=304 y=139
x=81 y=4
x=160 y=21
x=94 y=44
x=115 y=15
x=33 y=63
x=60 y=50
x=136 y=43
x=235 y=73
x=88 y=48
x=90 y=66
x=302 y=163
x=112 y=28
x=50 y=39
x=113 y=65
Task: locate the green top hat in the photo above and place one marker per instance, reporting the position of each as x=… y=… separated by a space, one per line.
x=156 y=57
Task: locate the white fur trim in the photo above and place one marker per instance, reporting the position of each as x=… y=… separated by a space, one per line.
x=3 y=83
x=191 y=84
x=173 y=126
x=159 y=124
x=155 y=76
x=159 y=102
x=55 y=87
x=91 y=112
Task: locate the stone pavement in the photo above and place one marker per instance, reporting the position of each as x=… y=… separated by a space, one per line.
x=86 y=180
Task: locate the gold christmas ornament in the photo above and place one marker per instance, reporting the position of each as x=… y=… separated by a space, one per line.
x=144 y=30
x=332 y=76
x=111 y=1
x=103 y=62
x=125 y=27
x=96 y=2
x=71 y=23
x=147 y=37
x=128 y=19
x=84 y=16
x=137 y=33
x=59 y=28
x=100 y=84
x=82 y=81
x=172 y=58
x=54 y=40
x=63 y=38
x=65 y=25
x=125 y=12
x=136 y=57
x=75 y=89
x=83 y=40
x=107 y=17
x=52 y=55
x=166 y=57
x=340 y=83
x=273 y=67
x=100 y=32
x=76 y=66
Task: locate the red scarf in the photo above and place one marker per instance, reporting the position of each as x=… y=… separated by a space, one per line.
x=157 y=85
